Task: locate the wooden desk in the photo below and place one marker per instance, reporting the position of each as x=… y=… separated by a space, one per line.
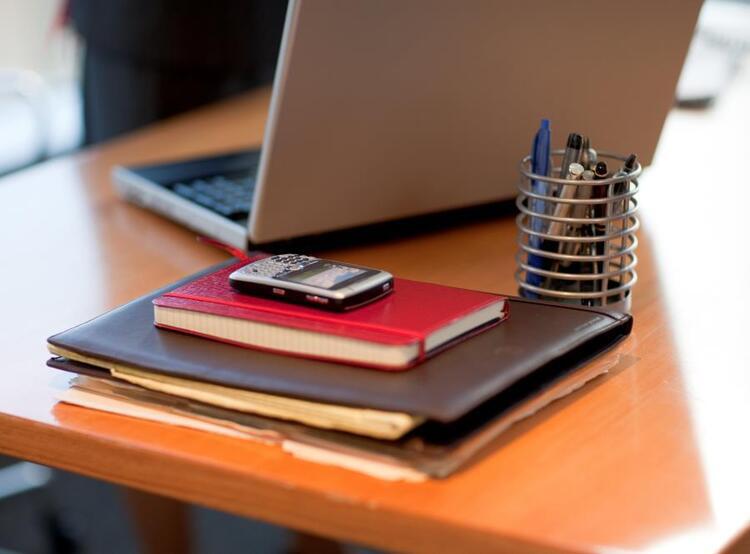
x=655 y=456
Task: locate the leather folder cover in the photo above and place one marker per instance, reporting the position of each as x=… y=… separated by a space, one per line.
x=537 y=339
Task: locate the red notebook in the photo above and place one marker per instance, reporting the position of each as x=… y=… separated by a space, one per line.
x=414 y=322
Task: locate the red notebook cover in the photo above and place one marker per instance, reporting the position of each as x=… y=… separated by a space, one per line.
x=408 y=315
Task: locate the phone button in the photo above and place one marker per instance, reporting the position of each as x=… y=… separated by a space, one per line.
x=280 y=292
x=316 y=299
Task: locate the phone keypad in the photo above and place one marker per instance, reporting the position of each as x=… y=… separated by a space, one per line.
x=278 y=265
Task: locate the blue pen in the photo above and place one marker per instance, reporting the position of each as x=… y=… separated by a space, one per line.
x=540 y=156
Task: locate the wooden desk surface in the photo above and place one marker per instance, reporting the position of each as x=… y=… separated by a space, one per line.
x=654 y=457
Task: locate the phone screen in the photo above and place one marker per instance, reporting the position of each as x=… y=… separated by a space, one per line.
x=325 y=275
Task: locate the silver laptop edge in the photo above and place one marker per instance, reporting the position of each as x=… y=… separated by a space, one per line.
x=152 y=196
x=279 y=86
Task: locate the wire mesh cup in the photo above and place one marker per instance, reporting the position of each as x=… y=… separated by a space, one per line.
x=577 y=239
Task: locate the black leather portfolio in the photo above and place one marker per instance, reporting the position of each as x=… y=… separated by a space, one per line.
x=538 y=343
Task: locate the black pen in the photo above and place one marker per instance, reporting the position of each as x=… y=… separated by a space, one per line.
x=620 y=207
x=586 y=231
x=600 y=210
x=572 y=153
x=621 y=187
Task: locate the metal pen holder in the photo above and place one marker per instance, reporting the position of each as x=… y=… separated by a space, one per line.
x=577 y=245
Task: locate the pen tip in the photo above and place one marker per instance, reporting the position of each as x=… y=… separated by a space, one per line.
x=574 y=141
x=545 y=123
x=630 y=162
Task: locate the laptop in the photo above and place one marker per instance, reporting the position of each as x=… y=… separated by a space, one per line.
x=382 y=111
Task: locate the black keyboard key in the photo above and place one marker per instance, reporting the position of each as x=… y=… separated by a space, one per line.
x=225 y=196
x=184 y=190
x=231 y=211
x=203 y=199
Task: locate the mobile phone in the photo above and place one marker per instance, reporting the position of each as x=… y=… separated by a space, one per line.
x=312 y=281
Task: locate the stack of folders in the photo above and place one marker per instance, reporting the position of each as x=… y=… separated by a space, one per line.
x=407 y=388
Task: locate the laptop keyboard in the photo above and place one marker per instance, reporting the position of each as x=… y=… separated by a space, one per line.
x=227 y=196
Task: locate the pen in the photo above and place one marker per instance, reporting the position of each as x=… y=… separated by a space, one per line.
x=620 y=207
x=588 y=161
x=585 y=231
x=567 y=192
x=580 y=211
x=588 y=154
x=599 y=210
x=562 y=209
x=585 y=160
x=572 y=153
x=587 y=248
x=540 y=152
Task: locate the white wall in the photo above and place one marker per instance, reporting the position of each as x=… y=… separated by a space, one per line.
x=40 y=102
x=28 y=39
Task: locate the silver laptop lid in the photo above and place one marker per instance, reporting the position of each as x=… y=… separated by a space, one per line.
x=383 y=110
